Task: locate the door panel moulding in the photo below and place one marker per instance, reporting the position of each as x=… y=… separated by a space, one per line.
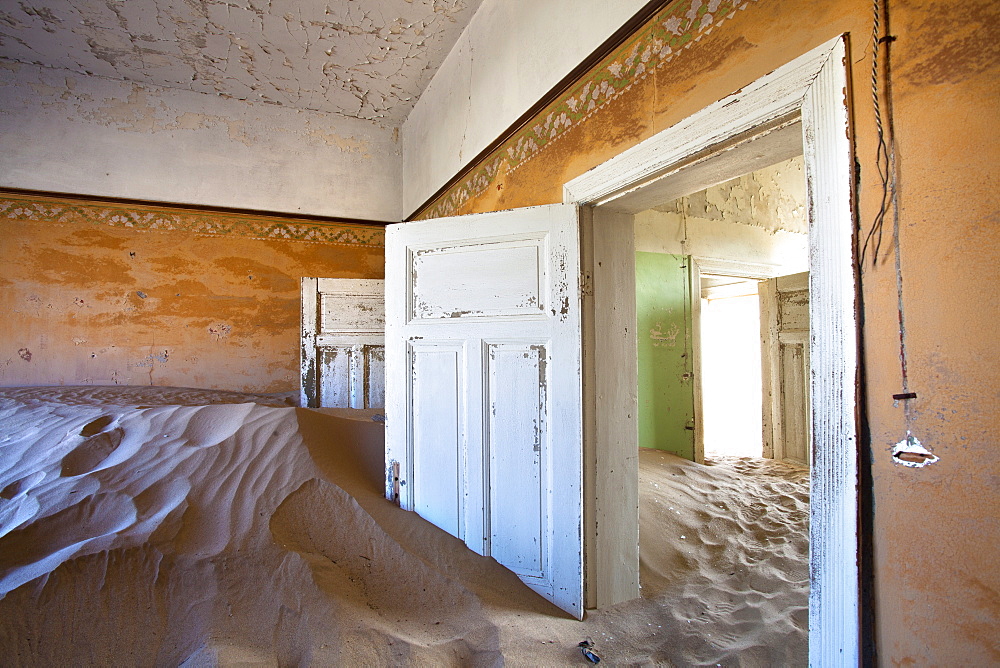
x=484 y=405
x=342 y=343
x=799 y=107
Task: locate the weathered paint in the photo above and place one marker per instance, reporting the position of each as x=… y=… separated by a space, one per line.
x=110 y=138
x=97 y=293
x=756 y=223
x=669 y=34
x=666 y=358
x=368 y=60
x=509 y=55
x=343 y=343
x=784 y=338
x=482 y=389
x=938 y=262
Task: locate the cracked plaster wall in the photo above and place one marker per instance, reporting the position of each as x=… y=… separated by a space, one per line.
x=757 y=218
x=509 y=56
x=63 y=132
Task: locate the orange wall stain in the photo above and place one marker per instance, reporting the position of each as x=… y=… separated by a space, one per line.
x=86 y=302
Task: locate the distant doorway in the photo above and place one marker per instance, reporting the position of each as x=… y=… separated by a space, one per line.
x=730 y=367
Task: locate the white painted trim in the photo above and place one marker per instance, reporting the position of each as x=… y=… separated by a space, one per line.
x=767 y=103
x=699 y=399
x=770 y=363
x=833 y=510
x=713 y=266
x=358 y=334
x=814 y=87
x=309 y=316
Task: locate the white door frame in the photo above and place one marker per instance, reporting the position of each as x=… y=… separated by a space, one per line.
x=801 y=106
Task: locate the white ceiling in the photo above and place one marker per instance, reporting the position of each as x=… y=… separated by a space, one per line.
x=366 y=59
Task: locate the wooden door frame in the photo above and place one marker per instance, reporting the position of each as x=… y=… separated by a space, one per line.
x=802 y=105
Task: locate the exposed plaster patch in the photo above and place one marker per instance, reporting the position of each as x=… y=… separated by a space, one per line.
x=235 y=130
x=47 y=91
x=134 y=114
x=772 y=198
x=910 y=452
x=667 y=338
x=345 y=144
x=220 y=330
x=150 y=360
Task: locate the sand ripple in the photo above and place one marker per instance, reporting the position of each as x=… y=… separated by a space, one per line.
x=160 y=526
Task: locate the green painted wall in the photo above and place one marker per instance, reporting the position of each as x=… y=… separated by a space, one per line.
x=666 y=381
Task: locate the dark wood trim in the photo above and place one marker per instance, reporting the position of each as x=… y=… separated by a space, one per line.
x=600 y=53
x=97 y=199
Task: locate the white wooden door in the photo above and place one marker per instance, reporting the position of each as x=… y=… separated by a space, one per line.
x=343 y=343
x=784 y=325
x=483 y=396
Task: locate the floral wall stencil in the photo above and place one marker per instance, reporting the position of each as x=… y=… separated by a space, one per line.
x=152 y=217
x=677 y=27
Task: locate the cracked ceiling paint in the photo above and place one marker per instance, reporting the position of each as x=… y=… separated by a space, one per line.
x=367 y=59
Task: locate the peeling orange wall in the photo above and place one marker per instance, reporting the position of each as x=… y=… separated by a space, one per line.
x=937 y=528
x=96 y=293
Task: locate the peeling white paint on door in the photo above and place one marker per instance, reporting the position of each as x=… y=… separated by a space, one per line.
x=784 y=342
x=484 y=394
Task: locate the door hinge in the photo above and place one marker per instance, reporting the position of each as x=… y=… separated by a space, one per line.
x=392 y=482
x=586 y=284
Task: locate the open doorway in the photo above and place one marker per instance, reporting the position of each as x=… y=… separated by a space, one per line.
x=699 y=258
x=723 y=530
x=799 y=107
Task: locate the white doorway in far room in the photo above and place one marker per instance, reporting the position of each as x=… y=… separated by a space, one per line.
x=731 y=366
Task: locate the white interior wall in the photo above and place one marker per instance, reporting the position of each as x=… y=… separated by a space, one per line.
x=509 y=56
x=63 y=132
x=758 y=218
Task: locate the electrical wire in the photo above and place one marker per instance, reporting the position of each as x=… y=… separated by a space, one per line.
x=882 y=150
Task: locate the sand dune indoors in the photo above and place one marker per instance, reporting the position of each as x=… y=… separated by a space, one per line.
x=167 y=526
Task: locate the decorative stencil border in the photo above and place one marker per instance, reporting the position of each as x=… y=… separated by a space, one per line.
x=43 y=209
x=677 y=27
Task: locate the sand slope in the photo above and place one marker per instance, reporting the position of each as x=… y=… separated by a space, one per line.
x=162 y=526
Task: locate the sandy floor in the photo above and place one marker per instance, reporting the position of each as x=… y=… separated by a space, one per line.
x=167 y=526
